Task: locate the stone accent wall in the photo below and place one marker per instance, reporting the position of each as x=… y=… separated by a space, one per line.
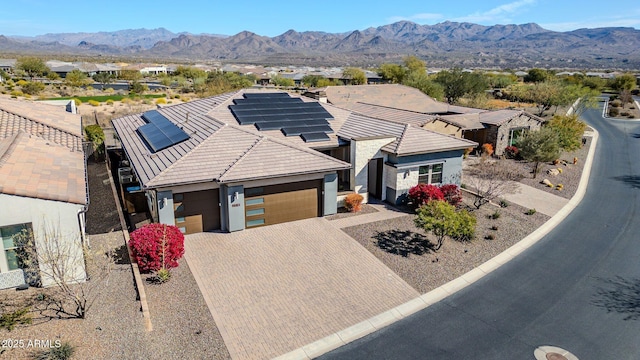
x=502 y=135
x=361 y=152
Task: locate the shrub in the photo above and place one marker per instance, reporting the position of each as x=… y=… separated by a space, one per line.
x=467 y=151
x=94 y=103
x=559 y=187
x=63 y=352
x=161 y=101
x=33 y=88
x=489 y=237
x=157 y=246
x=494 y=228
x=22 y=82
x=503 y=203
x=10 y=320
x=487 y=149
x=452 y=194
x=616 y=103
x=353 y=202
x=16 y=93
x=77 y=101
x=511 y=152
x=495 y=215
x=110 y=102
x=442 y=219
x=423 y=193
x=614 y=112
x=531 y=211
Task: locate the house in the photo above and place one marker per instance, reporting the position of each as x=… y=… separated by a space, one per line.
x=43 y=188
x=8 y=65
x=258 y=157
x=399 y=103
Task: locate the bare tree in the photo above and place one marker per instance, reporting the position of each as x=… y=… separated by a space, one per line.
x=625 y=97
x=491 y=179
x=66 y=262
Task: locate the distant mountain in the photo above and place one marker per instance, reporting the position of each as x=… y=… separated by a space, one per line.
x=441 y=45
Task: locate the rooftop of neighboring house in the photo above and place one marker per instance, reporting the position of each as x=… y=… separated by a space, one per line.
x=41 y=152
x=219 y=148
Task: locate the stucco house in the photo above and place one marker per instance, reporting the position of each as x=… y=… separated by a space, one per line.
x=399 y=103
x=259 y=157
x=43 y=188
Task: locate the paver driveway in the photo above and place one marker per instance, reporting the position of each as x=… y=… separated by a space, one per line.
x=276 y=288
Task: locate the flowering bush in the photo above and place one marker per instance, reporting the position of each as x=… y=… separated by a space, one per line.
x=511 y=152
x=423 y=193
x=157 y=246
x=487 y=149
x=452 y=194
x=353 y=202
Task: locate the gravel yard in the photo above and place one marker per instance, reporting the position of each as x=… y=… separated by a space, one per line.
x=404 y=248
x=344 y=213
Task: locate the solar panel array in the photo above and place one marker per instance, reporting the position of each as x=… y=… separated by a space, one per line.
x=279 y=111
x=159 y=133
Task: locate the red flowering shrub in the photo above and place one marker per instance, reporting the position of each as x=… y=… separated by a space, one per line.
x=423 y=193
x=353 y=202
x=452 y=194
x=511 y=152
x=153 y=241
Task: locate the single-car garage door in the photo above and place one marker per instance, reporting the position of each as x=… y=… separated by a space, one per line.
x=197 y=211
x=276 y=204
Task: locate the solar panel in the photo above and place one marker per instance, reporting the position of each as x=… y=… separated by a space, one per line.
x=279 y=111
x=314 y=137
x=159 y=133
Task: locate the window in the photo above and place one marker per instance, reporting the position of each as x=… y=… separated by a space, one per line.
x=515 y=133
x=256 y=222
x=430 y=174
x=255 y=201
x=9 y=257
x=253 y=191
x=254 y=212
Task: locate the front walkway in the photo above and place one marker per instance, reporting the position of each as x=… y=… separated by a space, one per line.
x=276 y=288
x=385 y=212
x=532 y=198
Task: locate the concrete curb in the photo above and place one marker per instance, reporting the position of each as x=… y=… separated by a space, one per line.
x=389 y=317
x=142 y=295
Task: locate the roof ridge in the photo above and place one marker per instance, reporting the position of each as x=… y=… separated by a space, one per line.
x=439 y=133
x=253 y=146
x=402 y=137
x=182 y=158
x=7 y=145
x=394 y=108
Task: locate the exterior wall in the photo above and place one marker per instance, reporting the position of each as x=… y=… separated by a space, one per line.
x=52 y=218
x=444 y=128
x=330 y=193
x=402 y=172
x=362 y=151
x=164 y=203
x=503 y=132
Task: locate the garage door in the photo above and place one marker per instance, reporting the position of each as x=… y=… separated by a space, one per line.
x=197 y=211
x=282 y=203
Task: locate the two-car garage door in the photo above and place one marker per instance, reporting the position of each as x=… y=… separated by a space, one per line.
x=276 y=204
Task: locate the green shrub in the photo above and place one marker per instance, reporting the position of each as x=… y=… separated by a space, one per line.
x=33 y=88
x=531 y=211
x=22 y=82
x=77 y=101
x=495 y=215
x=110 y=102
x=94 y=103
x=161 y=101
x=614 y=112
x=16 y=93
x=10 y=320
x=503 y=203
x=64 y=352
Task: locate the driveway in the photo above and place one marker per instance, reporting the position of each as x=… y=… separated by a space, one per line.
x=276 y=288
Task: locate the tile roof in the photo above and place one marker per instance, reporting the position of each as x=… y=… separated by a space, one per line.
x=393 y=114
x=499 y=117
x=33 y=167
x=390 y=95
x=359 y=127
x=465 y=121
x=216 y=143
x=417 y=140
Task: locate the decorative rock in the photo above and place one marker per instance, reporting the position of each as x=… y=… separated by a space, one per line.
x=547 y=182
x=553 y=172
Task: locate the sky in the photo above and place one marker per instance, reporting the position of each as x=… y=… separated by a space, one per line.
x=274 y=17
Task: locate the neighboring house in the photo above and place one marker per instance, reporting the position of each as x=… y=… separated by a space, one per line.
x=403 y=104
x=8 y=65
x=257 y=157
x=43 y=186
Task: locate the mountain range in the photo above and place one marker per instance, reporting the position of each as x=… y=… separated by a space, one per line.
x=441 y=45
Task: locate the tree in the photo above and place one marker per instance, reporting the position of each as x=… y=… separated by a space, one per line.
x=33 y=66
x=328 y=82
x=157 y=246
x=393 y=73
x=539 y=146
x=415 y=65
x=190 y=73
x=625 y=97
x=76 y=78
x=282 y=81
x=130 y=75
x=569 y=130
x=102 y=78
x=77 y=270
x=32 y=88
x=355 y=76
x=311 y=80
x=537 y=75
x=457 y=83
x=624 y=82
x=95 y=135
x=491 y=179
x=423 y=83
x=442 y=219
x=137 y=88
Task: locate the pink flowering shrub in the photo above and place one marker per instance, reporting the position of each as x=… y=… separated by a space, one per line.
x=452 y=194
x=423 y=193
x=157 y=246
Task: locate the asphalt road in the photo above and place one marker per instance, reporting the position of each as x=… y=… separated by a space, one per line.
x=578 y=288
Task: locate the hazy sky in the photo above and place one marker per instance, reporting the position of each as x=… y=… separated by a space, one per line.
x=273 y=17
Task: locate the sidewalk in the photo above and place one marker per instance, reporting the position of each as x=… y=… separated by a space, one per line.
x=532 y=198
